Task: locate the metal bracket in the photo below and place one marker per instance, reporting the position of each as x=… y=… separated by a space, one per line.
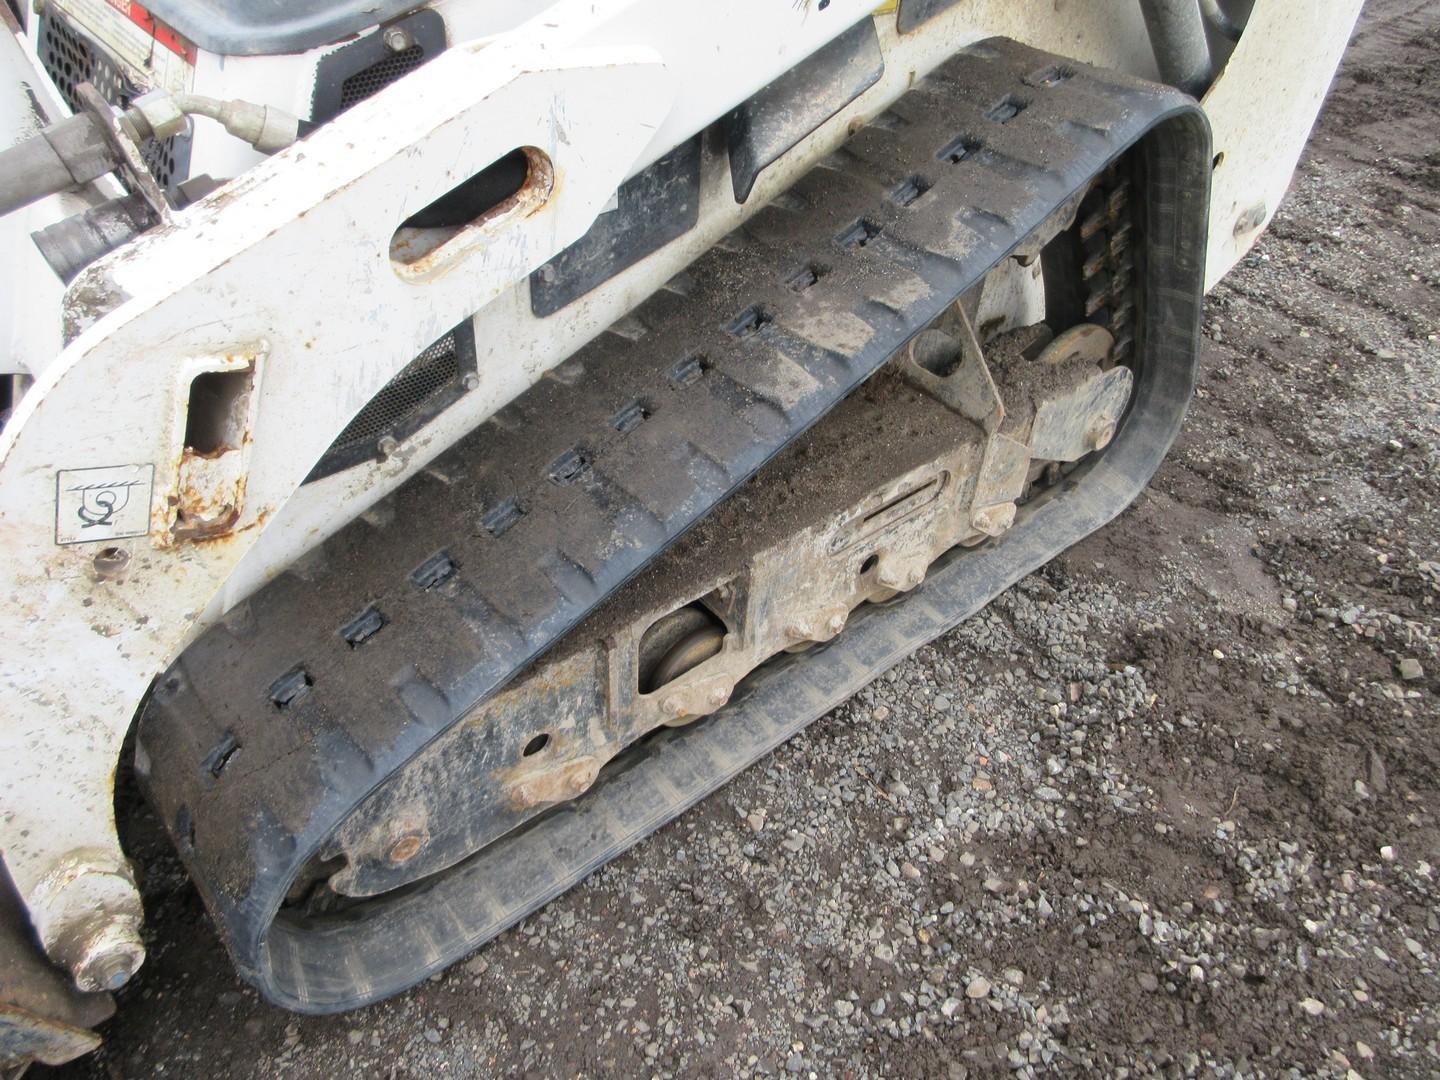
x=132 y=164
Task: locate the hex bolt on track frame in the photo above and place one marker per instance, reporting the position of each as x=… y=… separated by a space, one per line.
x=287 y=749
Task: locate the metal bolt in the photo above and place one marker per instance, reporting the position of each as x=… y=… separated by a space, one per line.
x=387 y=445
x=406 y=848
x=157 y=112
x=1250 y=219
x=674 y=705
x=110 y=957
x=110 y=561
x=1101 y=434
x=397 y=39
x=836 y=623
x=471 y=381
x=583 y=777
x=719 y=695
x=994 y=520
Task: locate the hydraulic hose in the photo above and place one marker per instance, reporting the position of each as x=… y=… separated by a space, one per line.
x=1182 y=51
x=61 y=157
x=264 y=127
x=1215 y=15
x=76 y=150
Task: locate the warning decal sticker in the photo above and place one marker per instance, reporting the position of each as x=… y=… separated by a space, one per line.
x=152 y=54
x=109 y=503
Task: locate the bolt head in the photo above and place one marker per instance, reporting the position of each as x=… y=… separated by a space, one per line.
x=160 y=113
x=111 y=562
x=719 y=696
x=836 y=623
x=405 y=849
x=1250 y=219
x=397 y=40
x=471 y=381
x=110 y=957
x=674 y=705
x=994 y=520
x=1101 y=434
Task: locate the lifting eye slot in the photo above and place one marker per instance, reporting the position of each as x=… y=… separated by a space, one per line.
x=219 y=404
x=211 y=471
x=474 y=211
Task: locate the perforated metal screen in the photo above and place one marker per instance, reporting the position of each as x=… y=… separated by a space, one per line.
x=420 y=391
x=379 y=75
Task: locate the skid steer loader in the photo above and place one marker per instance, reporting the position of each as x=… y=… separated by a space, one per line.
x=442 y=444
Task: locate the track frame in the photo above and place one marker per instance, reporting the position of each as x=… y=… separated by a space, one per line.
x=999 y=181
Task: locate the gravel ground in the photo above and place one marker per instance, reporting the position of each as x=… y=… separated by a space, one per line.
x=1168 y=806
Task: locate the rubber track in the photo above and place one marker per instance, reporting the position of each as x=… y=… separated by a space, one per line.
x=273 y=726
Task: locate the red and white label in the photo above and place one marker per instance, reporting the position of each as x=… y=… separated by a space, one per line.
x=152 y=54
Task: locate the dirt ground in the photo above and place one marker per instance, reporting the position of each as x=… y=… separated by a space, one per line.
x=1169 y=806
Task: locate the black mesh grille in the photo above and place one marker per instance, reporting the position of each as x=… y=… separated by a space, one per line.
x=70 y=58
x=379 y=75
x=421 y=390
x=428 y=375
x=368 y=64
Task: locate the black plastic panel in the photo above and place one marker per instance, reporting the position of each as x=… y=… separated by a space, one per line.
x=655 y=206
x=914 y=13
x=760 y=130
x=270 y=27
x=368 y=65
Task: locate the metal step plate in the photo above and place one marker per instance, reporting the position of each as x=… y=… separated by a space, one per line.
x=274 y=726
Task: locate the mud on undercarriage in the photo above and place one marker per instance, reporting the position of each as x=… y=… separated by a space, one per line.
x=463 y=704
